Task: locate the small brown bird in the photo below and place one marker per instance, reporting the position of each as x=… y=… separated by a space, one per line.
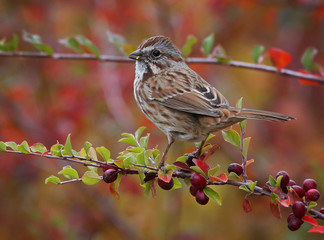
x=180 y=102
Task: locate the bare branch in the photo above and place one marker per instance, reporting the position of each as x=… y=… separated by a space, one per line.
x=192 y=60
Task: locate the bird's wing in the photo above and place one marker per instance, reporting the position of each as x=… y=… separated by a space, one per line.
x=186 y=91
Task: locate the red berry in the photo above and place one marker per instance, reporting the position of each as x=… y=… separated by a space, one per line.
x=149 y=176
x=198 y=180
x=299 y=209
x=284 y=180
x=291 y=183
x=295 y=223
x=309 y=184
x=165 y=185
x=322 y=210
x=291 y=215
x=299 y=190
x=235 y=167
x=193 y=190
x=110 y=175
x=313 y=195
x=189 y=161
x=201 y=197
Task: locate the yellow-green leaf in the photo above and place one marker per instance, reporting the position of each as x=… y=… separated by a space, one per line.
x=90 y=178
x=52 y=179
x=69 y=172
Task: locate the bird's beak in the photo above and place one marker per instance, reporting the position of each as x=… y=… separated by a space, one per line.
x=136 y=55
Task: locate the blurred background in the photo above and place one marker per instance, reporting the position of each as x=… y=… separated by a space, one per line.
x=42 y=100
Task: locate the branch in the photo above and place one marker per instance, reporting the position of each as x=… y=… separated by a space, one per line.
x=190 y=60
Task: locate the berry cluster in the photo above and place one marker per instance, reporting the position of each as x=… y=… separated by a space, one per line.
x=307 y=193
x=198 y=183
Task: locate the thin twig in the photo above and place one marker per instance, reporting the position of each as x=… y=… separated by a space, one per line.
x=191 y=60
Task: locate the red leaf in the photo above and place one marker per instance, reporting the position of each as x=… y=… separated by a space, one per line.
x=210 y=152
x=279 y=58
x=220 y=178
x=310 y=220
x=202 y=165
x=45 y=153
x=285 y=202
x=303 y=81
x=246 y=205
x=182 y=166
x=275 y=209
x=317 y=229
x=293 y=196
x=166 y=177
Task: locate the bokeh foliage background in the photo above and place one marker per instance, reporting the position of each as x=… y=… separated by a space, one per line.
x=44 y=100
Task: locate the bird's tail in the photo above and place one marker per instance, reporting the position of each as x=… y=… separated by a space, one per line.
x=262 y=115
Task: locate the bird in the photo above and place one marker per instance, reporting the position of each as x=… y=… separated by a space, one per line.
x=178 y=101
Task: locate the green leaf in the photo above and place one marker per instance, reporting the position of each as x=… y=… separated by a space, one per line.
x=239 y=103
x=232 y=137
x=12 y=145
x=257 y=52
x=275 y=198
x=37 y=43
x=208 y=44
x=71 y=43
x=243 y=125
x=92 y=154
x=69 y=172
x=10 y=46
x=210 y=136
x=186 y=49
x=56 y=150
x=233 y=175
x=131 y=159
x=307 y=58
x=245 y=188
x=176 y=183
x=144 y=141
x=103 y=152
x=272 y=181
x=212 y=171
x=311 y=205
x=181 y=159
x=252 y=185
x=23 y=147
x=38 y=147
x=278 y=181
x=224 y=60
x=198 y=170
x=211 y=193
x=3 y=146
x=90 y=178
x=118 y=40
x=87 y=145
x=139 y=133
x=52 y=179
x=246 y=143
x=130 y=139
x=67 y=151
x=89 y=45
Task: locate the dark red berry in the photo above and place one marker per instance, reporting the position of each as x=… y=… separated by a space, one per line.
x=291 y=183
x=189 y=161
x=295 y=223
x=110 y=175
x=309 y=184
x=165 y=185
x=284 y=180
x=106 y=167
x=198 y=180
x=193 y=190
x=313 y=195
x=291 y=215
x=235 y=167
x=299 y=209
x=299 y=190
x=322 y=210
x=201 y=197
x=150 y=176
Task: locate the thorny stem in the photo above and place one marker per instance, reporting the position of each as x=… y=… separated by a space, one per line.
x=191 y=60
x=258 y=191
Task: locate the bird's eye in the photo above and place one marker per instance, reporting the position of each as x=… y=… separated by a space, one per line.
x=156 y=53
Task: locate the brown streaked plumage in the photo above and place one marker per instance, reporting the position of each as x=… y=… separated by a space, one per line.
x=177 y=100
